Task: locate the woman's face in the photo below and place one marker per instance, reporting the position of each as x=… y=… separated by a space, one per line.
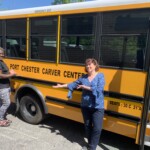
x=90 y=67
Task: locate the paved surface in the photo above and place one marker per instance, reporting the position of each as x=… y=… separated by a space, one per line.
x=55 y=133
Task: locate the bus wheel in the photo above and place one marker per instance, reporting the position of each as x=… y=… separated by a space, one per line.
x=30 y=109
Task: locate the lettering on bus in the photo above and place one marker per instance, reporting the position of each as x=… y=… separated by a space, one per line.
x=46 y=71
x=42 y=10
x=25 y=68
x=126 y=105
x=49 y=71
x=14 y=66
x=30 y=69
x=70 y=74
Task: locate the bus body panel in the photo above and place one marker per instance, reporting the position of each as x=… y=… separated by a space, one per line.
x=120 y=81
x=84 y=7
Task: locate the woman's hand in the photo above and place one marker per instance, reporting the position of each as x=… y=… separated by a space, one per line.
x=81 y=87
x=84 y=87
x=57 y=86
x=12 y=73
x=60 y=86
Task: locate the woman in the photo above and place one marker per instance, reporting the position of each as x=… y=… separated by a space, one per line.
x=5 y=74
x=92 y=102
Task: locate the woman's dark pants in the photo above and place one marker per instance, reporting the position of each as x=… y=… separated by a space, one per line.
x=93 y=120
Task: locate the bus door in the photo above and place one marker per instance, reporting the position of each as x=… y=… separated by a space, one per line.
x=144 y=139
x=147 y=134
x=147 y=128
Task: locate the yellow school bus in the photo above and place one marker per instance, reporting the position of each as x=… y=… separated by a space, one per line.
x=48 y=45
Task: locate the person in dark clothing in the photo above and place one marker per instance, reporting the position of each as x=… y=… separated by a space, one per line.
x=5 y=74
x=92 y=102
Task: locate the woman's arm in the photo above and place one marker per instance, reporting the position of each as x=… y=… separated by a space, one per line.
x=70 y=86
x=4 y=76
x=84 y=87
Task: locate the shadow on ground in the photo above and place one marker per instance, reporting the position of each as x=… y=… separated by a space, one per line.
x=74 y=132
x=71 y=130
x=109 y=139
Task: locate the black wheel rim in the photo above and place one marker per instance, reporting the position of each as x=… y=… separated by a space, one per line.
x=31 y=108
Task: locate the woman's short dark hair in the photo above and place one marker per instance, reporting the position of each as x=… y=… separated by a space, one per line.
x=91 y=60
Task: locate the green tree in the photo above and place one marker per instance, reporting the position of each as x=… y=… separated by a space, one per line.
x=66 y=1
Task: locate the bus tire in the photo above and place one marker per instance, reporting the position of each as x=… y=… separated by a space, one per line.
x=30 y=109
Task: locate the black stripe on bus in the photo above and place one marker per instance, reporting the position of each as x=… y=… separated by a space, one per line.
x=106 y=93
x=123 y=116
x=61 y=101
x=49 y=83
x=107 y=112
x=124 y=96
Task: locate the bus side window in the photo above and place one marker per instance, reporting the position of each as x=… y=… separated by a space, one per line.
x=64 y=54
x=47 y=53
x=34 y=50
x=88 y=53
x=140 y=59
x=8 y=49
x=14 y=50
x=75 y=54
x=110 y=57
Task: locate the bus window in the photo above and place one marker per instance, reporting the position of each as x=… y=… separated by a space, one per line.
x=15 y=38
x=123 y=51
x=16 y=47
x=42 y=48
x=124 y=38
x=0 y=33
x=78 y=33
x=43 y=36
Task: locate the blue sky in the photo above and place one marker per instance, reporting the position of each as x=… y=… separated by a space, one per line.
x=17 y=4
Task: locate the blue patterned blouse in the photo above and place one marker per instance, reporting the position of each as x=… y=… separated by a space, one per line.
x=93 y=98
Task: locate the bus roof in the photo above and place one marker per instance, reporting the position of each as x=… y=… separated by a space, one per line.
x=72 y=6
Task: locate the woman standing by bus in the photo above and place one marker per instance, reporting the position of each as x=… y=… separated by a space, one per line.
x=92 y=102
x=5 y=74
